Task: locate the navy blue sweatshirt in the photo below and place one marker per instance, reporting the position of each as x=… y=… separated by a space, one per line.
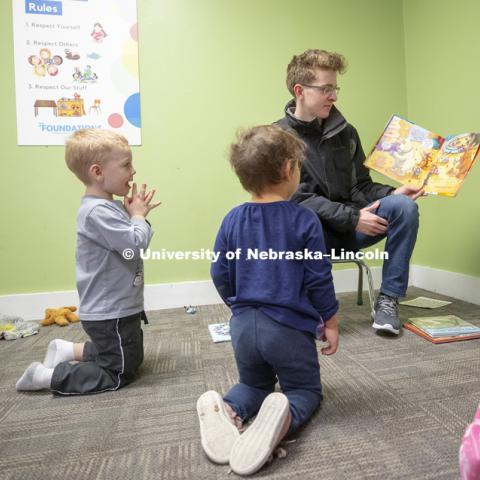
x=296 y=292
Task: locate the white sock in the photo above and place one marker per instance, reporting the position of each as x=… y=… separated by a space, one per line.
x=58 y=351
x=35 y=377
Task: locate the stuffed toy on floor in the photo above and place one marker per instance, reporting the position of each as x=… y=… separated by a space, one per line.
x=61 y=316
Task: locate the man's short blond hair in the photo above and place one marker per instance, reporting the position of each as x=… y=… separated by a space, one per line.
x=302 y=68
x=90 y=146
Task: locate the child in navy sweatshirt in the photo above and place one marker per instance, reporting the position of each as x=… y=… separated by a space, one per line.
x=271 y=274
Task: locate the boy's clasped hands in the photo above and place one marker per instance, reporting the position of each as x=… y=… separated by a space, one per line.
x=139 y=203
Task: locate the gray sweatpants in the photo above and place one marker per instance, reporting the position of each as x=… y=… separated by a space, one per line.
x=110 y=360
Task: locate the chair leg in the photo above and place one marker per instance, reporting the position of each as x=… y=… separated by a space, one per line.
x=360 y=285
x=371 y=290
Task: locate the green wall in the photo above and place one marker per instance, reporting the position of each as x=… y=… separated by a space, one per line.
x=206 y=68
x=442 y=50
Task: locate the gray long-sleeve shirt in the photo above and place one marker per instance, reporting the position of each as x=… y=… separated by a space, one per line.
x=109 y=283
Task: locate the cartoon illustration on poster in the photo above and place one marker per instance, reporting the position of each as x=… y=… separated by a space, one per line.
x=76 y=66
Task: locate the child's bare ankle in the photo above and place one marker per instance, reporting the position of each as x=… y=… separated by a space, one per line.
x=234 y=418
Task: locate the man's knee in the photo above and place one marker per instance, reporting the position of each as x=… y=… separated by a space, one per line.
x=403 y=206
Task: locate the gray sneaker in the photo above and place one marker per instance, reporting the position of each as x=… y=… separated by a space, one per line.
x=386 y=314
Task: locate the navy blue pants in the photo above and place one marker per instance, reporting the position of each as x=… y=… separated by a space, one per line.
x=267 y=351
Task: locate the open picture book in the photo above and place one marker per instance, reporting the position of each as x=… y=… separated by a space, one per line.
x=414 y=156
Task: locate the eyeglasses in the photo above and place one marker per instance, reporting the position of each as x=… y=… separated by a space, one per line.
x=324 y=89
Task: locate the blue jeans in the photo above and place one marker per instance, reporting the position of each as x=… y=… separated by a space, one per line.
x=265 y=351
x=402 y=215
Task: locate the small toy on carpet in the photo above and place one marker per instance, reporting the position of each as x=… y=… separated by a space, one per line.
x=61 y=316
x=13 y=327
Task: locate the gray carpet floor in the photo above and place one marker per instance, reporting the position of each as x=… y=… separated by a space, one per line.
x=394 y=408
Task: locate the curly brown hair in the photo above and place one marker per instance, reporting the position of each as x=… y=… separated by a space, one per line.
x=259 y=155
x=301 y=68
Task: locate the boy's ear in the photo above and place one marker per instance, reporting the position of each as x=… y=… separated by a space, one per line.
x=288 y=169
x=95 y=171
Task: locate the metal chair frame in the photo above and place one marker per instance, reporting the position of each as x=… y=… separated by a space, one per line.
x=362 y=266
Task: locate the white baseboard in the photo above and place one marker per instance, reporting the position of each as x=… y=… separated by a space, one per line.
x=173 y=295
x=456 y=285
x=346 y=279
x=31 y=306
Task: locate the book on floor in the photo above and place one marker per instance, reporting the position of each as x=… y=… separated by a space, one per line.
x=425 y=302
x=220 y=332
x=443 y=329
x=414 y=156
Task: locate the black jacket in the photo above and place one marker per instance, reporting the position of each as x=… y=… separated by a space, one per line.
x=334 y=182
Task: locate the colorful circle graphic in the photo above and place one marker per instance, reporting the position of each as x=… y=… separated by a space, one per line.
x=115 y=120
x=132 y=109
x=134 y=32
x=129 y=57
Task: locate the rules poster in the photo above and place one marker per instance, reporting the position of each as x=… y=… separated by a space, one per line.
x=76 y=66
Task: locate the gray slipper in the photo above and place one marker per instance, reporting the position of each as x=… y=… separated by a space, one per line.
x=217 y=432
x=252 y=450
